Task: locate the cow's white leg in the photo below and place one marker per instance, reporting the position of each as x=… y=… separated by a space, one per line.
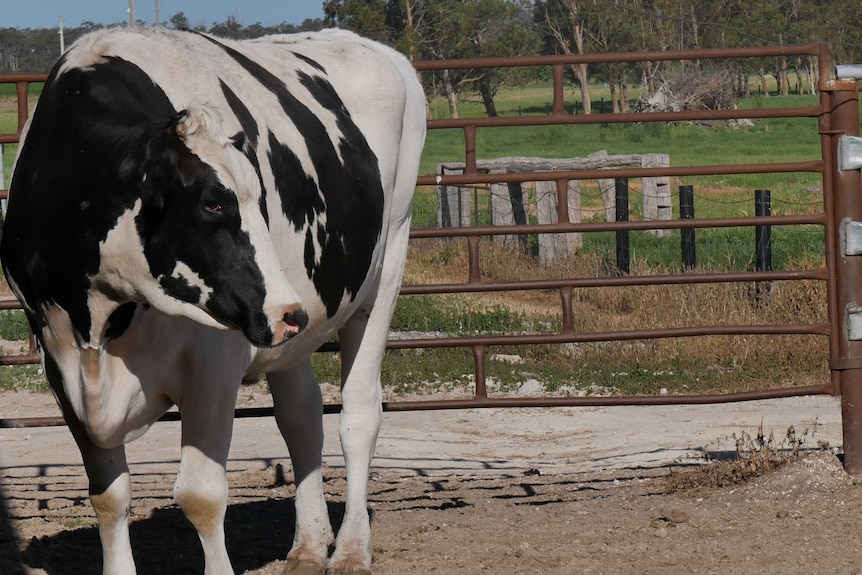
x=363 y=343
x=362 y=347
x=201 y=487
x=298 y=411
x=111 y=496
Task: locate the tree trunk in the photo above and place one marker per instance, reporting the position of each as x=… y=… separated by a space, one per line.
x=580 y=71
x=615 y=105
x=813 y=73
x=800 y=86
x=487 y=96
x=624 y=93
x=762 y=75
x=783 y=80
x=450 y=95
x=650 y=78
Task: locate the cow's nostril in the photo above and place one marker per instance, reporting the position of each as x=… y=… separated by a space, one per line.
x=296 y=319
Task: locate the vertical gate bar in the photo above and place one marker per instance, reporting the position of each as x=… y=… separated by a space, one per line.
x=831 y=231
x=563 y=201
x=469 y=149
x=21 y=89
x=568 y=316
x=557 y=73
x=843 y=119
x=473 y=259
x=479 y=361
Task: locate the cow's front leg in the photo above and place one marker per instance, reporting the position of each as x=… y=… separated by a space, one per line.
x=298 y=411
x=201 y=487
x=111 y=496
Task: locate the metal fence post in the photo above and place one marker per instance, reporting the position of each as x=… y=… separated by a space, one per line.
x=687 y=235
x=621 y=187
x=763 y=234
x=844 y=208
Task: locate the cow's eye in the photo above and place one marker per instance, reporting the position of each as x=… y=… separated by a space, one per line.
x=213 y=207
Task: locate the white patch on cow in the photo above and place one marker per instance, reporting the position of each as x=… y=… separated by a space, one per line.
x=318 y=224
x=183 y=272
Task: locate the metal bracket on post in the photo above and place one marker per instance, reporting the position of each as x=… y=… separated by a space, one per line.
x=854 y=323
x=849 y=153
x=851 y=238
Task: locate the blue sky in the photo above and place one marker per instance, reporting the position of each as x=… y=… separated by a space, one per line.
x=47 y=13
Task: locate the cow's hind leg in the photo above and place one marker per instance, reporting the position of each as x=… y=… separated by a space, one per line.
x=298 y=411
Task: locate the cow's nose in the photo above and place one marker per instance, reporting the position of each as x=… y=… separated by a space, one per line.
x=296 y=320
x=292 y=322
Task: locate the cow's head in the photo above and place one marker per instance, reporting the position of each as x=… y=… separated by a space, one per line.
x=204 y=239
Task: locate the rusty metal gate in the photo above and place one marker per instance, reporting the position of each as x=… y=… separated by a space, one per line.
x=837 y=116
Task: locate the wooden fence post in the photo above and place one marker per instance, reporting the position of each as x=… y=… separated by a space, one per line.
x=557 y=247
x=454 y=203
x=656 y=192
x=501 y=213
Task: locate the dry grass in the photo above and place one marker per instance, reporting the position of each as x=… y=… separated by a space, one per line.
x=733 y=363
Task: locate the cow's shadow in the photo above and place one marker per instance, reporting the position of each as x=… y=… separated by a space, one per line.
x=257 y=534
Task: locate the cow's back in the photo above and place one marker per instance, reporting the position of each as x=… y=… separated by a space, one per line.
x=320 y=116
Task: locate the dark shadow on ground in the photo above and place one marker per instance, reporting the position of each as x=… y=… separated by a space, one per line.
x=257 y=533
x=10 y=557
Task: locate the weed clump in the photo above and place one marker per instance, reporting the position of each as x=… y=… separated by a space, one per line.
x=754 y=457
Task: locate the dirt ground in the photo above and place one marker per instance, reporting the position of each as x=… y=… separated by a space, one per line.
x=611 y=513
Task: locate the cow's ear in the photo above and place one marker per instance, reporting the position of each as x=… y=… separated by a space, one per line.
x=168 y=164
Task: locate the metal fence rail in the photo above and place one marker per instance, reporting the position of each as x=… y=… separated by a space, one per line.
x=836 y=114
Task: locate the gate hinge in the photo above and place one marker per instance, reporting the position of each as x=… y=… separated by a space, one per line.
x=849 y=153
x=851 y=237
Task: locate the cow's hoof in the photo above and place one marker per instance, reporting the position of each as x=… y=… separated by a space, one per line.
x=348 y=571
x=304 y=567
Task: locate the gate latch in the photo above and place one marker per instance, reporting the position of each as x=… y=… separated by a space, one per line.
x=849 y=153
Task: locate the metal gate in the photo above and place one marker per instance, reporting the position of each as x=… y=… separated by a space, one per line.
x=837 y=117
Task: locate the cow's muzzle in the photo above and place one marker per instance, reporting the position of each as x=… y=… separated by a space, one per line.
x=293 y=320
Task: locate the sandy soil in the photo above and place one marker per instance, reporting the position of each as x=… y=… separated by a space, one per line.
x=494 y=491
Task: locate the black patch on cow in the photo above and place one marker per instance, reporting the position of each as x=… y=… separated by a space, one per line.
x=75 y=176
x=352 y=192
x=309 y=61
x=120 y=320
x=301 y=201
x=180 y=288
x=250 y=136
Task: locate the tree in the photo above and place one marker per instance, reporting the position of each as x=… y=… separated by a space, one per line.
x=565 y=23
x=179 y=21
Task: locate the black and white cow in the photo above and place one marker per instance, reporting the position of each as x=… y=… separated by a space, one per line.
x=187 y=212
